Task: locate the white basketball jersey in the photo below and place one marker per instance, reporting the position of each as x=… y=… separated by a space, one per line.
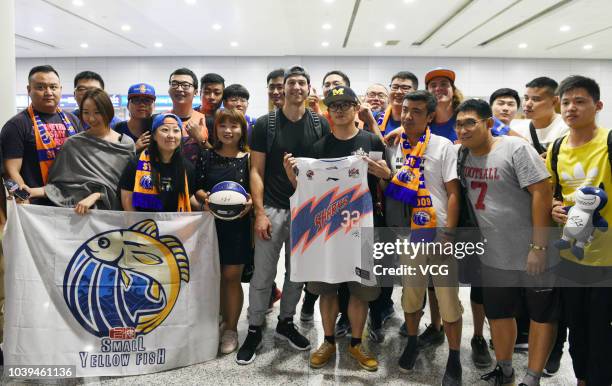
x=330 y=206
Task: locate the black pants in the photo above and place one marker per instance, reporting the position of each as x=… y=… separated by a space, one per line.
x=588 y=313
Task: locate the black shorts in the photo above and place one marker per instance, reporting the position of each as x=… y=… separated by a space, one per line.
x=543 y=304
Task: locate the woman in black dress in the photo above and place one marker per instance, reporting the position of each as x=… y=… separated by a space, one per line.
x=229 y=161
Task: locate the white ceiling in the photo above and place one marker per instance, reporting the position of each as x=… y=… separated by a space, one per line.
x=294 y=27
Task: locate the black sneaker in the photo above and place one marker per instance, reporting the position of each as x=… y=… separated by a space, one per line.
x=387 y=314
x=522 y=342
x=497 y=378
x=403 y=331
x=408 y=358
x=307 y=313
x=285 y=329
x=431 y=337
x=451 y=379
x=480 y=353
x=375 y=332
x=252 y=343
x=554 y=363
x=343 y=326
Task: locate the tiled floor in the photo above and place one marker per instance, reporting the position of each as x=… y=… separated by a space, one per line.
x=279 y=364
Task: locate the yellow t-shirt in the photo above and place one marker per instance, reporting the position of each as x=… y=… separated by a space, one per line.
x=586 y=165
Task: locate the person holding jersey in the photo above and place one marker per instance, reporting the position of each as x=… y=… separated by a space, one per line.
x=228 y=160
x=87 y=170
x=160 y=179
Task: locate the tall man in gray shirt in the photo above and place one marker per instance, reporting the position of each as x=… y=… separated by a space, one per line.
x=508 y=188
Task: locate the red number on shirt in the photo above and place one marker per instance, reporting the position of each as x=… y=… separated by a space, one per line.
x=483 y=192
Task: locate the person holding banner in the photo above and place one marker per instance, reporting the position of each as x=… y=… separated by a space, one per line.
x=87 y=170
x=32 y=138
x=160 y=179
x=229 y=161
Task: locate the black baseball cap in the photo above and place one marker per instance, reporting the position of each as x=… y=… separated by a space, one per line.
x=340 y=94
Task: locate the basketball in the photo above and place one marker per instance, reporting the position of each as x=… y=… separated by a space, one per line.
x=227 y=200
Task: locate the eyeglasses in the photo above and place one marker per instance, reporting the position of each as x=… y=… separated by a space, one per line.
x=184 y=85
x=379 y=95
x=395 y=87
x=237 y=99
x=141 y=101
x=468 y=124
x=341 y=106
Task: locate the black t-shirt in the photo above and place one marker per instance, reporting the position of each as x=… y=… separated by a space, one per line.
x=122 y=128
x=18 y=141
x=167 y=195
x=332 y=147
x=291 y=137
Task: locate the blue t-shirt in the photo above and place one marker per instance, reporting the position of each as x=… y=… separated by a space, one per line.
x=446 y=129
x=391 y=123
x=499 y=128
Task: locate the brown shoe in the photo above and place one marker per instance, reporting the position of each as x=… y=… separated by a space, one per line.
x=320 y=357
x=365 y=360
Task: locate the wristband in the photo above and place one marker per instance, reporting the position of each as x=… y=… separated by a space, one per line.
x=537 y=247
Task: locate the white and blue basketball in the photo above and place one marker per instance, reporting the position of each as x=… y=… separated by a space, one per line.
x=227 y=200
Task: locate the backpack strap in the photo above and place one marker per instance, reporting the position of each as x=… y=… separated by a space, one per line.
x=316 y=120
x=461 y=157
x=554 y=160
x=271 y=134
x=534 y=138
x=610 y=147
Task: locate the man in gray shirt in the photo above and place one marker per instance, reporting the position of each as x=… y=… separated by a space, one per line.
x=508 y=188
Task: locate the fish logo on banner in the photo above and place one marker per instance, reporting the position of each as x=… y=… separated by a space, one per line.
x=125 y=281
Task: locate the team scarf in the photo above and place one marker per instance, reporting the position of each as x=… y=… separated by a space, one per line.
x=146 y=194
x=46 y=148
x=409 y=186
x=383 y=119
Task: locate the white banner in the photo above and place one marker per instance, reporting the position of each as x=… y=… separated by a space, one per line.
x=112 y=293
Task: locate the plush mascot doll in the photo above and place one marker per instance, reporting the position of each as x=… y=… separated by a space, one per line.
x=582 y=219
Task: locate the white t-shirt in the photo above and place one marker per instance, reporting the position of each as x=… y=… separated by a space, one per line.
x=439 y=166
x=546 y=135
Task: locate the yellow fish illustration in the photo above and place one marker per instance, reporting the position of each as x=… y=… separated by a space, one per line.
x=141 y=250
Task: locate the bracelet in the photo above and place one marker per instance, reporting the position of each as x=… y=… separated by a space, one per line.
x=537 y=247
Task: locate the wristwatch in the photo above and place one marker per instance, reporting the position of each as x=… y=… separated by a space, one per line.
x=391 y=175
x=537 y=247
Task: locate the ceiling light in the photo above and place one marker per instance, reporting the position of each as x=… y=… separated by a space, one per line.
x=587 y=46
x=378 y=44
x=78 y=3
x=325 y=44
x=234 y=44
x=84 y=45
x=522 y=45
x=326 y=26
x=158 y=44
x=565 y=28
x=216 y=26
x=38 y=29
x=390 y=26
x=125 y=27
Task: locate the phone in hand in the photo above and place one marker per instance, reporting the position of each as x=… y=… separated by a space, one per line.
x=13 y=188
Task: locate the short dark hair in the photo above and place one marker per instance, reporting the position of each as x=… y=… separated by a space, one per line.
x=577 y=81
x=85 y=75
x=423 y=96
x=235 y=90
x=544 y=82
x=185 y=71
x=505 y=92
x=103 y=103
x=478 y=106
x=44 y=68
x=406 y=75
x=296 y=71
x=211 y=78
x=279 y=72
x=341 y=74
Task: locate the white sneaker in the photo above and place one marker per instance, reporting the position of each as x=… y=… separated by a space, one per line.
x=229 y=341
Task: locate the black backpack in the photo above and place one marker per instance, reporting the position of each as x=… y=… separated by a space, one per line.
x=467 y=217
x=554 y=159
x=273 y=123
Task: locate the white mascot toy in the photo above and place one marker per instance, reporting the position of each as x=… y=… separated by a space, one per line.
x=582 y=219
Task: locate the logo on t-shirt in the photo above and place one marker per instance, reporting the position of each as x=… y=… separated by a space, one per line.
x=580 y=178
